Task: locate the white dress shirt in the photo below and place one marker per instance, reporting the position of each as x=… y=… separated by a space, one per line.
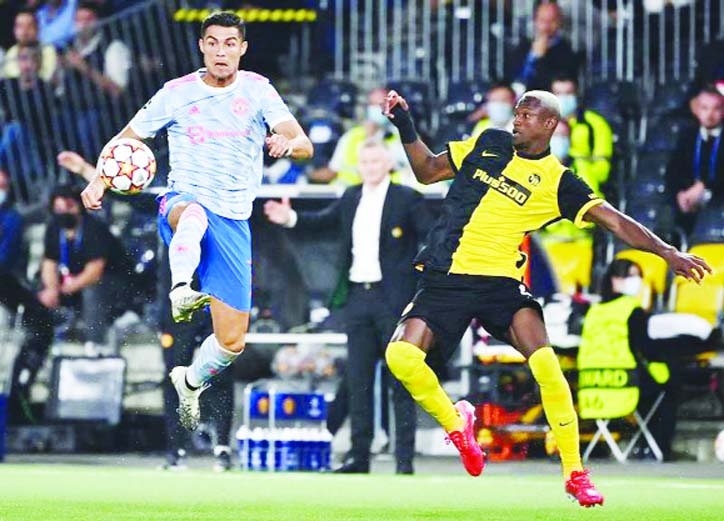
x=366 y=234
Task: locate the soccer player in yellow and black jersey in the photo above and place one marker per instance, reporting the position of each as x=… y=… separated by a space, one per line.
x=504 y=187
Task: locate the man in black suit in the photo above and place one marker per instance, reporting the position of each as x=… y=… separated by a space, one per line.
x=381 y=226
x=695 y=174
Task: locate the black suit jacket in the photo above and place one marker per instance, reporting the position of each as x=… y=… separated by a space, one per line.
x=405 y=222
x=680 y=171
x=559 y=60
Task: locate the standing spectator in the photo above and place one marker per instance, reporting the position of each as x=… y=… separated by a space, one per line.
x=36 y=319
x=26 y=102
x=84 y=266
x=381 y=227
x=695 y=173
x=96 y=72
x=25 y=31
x=55 y=20
x=342 y=168
x=497 y=111
x=591 y=137
x=11 y=228
x=535 y=64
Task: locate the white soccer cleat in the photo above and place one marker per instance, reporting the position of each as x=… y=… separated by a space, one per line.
x=185 y=300
x=189 y=411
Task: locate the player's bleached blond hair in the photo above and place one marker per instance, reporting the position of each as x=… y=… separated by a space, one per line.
x=546 y=99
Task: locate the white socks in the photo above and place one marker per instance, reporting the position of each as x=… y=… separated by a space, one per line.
x=184 y=251
x=210 y=361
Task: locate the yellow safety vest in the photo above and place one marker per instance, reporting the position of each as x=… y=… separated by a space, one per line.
x=348 y=175
x=607 y=377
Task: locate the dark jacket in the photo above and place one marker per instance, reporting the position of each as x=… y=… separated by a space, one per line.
x=559 y=60
x=405 y=221
x=681 y=174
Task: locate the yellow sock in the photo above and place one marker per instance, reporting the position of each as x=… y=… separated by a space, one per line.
x=407 y=362
x=558 y=406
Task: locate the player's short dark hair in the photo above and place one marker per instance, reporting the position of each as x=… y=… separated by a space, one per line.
x=224 y=19
x=66 y=191
x=28 y=11
x=564 y=78
x=502 y=85
x=709 y=89
x=617 y=268
x=90 y=6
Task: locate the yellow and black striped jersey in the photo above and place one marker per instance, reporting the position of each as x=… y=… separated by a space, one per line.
x=497 y=197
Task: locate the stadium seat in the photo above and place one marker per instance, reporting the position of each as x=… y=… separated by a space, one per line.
x=646 y=190
x=571 y=262
x=709 y=226
x=453 y=131
x=651 y=166
x=338 y=96
x=614 y=97
x=662 y=133
x=418 y=94
x=463 y=98
x=707 y=298
x=638 y=419
x=670 y=98
x=324 y=130
x=655 y=214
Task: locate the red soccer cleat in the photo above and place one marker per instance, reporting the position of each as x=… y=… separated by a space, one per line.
x=464 y=440
x=579 y=488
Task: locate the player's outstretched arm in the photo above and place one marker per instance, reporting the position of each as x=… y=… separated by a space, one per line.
x=427 y=167
x=92 y=194
x=639 y=237
x=289 y=140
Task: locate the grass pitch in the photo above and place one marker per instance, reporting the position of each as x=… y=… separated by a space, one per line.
x=64 y=492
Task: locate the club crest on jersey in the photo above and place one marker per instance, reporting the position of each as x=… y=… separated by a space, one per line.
x=509 y=188
x=534 y=179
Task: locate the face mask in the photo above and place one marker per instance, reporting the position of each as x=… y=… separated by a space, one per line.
x=560 y=145
x=569 y=104
x=66 y=220
x=375 y=115
x=632 y=286
x=3 y=197
x=499 y=112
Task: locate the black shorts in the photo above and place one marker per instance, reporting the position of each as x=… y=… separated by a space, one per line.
x=448 y=302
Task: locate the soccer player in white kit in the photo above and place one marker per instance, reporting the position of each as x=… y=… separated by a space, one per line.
x=216 y=119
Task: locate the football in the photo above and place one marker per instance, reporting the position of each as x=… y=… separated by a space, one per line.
x=126 y=166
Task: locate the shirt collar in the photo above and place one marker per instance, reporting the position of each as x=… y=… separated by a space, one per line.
x=380 y=190
x=715 y=132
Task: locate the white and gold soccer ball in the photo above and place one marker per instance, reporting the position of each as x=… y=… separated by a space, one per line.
x=126 y=166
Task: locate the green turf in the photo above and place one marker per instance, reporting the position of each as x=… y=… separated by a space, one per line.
x=56 y=492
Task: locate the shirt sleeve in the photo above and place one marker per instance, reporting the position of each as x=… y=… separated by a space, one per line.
x=457 y=150
x=273 y=108
x=575 y=198
x=156 y=114
x=51 y=244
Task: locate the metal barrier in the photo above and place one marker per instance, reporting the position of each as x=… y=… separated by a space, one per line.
x=454 y=40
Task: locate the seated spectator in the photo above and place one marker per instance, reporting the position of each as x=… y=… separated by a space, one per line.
x=618 y=331
x=695 y=174
x=342 y=168
x=25 y=30
x=591 y=137
x=535 y=64
x=55 y=21
x=84 y=266
x=96 y=72
x=26 y=103
x=497 y=111
x=561 y=143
